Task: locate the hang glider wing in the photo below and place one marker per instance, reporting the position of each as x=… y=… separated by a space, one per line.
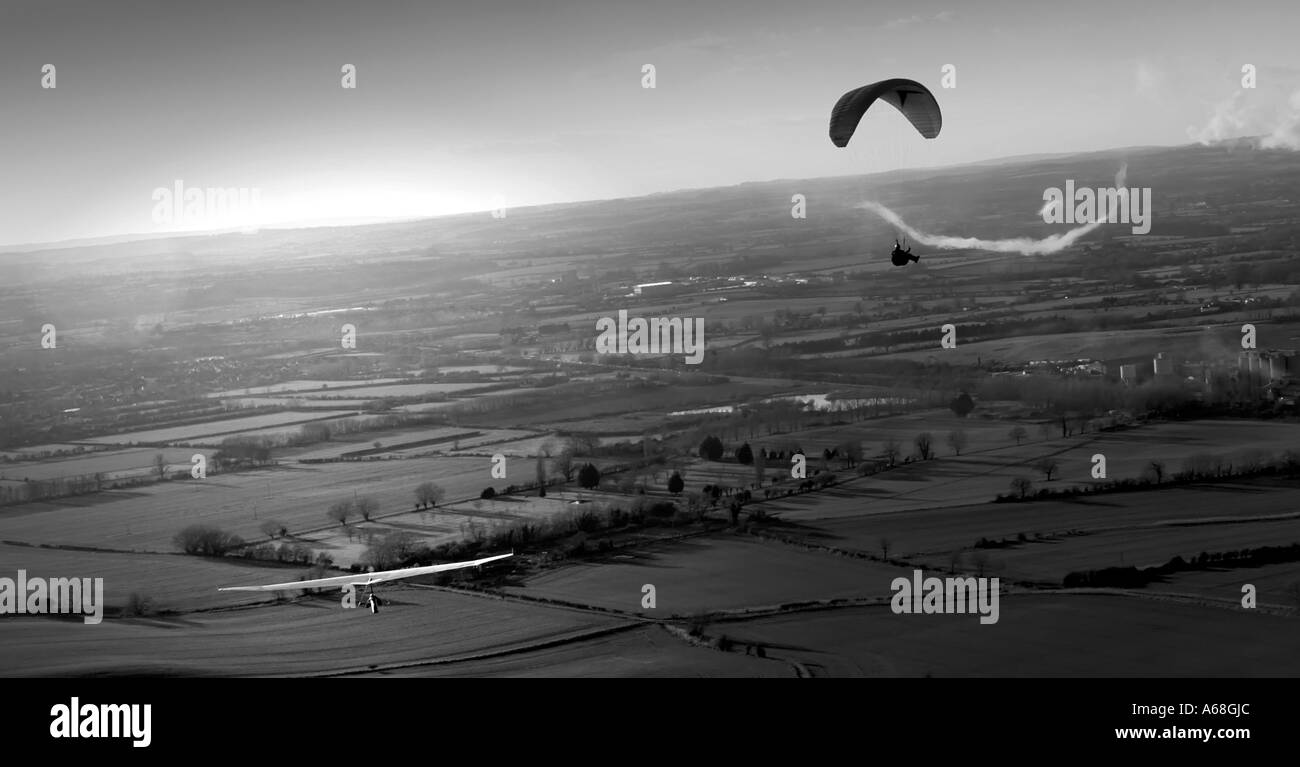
x=366 y=579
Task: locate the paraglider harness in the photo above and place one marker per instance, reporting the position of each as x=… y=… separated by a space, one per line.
x=900 y=257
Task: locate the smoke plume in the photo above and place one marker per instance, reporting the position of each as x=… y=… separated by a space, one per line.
x=1024 y=245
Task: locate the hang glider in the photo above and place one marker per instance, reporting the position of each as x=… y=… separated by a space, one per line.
x=367 y=579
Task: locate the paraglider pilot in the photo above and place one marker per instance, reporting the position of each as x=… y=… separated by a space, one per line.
x=900 y=257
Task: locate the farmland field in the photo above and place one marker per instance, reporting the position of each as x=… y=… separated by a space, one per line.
x=32 y=452
x=442 y=524
x=481 y=369
x=934 y=531
x=982 y=472
x=1277 y=585
x=226 y=426
x=713 y=574
x=309 y=637
x=110 y=462
x=646 y=651
x=171 y=582
x=302 y=386
x=1048 y=561
x=399 y=390
x=1036 y=635
x=297 y=496
x=349 y=443
x=530 y=445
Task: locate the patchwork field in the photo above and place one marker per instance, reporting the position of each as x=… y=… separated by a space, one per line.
x=296 y=495
x=929 y=513
x=977 y=476
x=935 y=531
x=443 y=524
x=1049 y=561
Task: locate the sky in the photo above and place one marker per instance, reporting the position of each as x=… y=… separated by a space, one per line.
x=470 y=106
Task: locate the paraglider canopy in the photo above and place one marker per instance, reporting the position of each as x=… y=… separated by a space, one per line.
x=911 y=98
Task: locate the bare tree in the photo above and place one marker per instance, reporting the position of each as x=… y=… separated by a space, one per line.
x=957 y=440
x=563 y=464
x=584 y=444
x=365 y=506
x=892 y=449
x=1047 y=466
x=1158 y=469
x=1018 y=433
x=160 y=465
x=852 y=452
x=429 y=493
x=981 y=562
x=885 y=543
x=923 y=442
x=340 y=511
x=1022 y=486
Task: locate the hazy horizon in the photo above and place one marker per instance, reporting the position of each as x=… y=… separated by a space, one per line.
x=380 y=221
x=464 y=109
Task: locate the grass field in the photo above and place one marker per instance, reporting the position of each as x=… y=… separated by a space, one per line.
x=1049 y=561
x=1096 y=344
x=314 y=636
x=1274 y=584
x=398 y=390
x=984 y=471
x=297 y=495
x=703 y=574
x=481 y=369
x=172 y=582
x=110 y=462
x=1036 y=635
x=348 y=443
x=444 y=524
x=302 y=386
x=225 y=426
x=297 y=403
x=529 y=446
x=646 y=651
x=33 y=452
x=934 y=531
